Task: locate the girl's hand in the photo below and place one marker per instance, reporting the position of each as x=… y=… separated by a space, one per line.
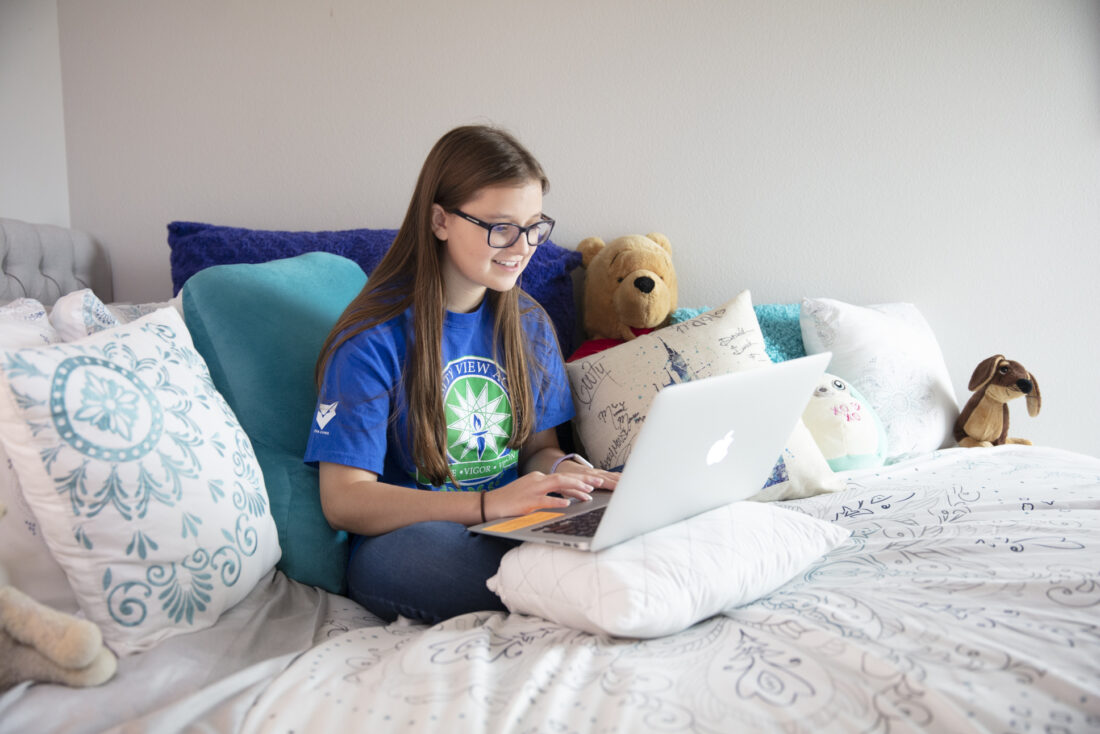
x=596 y=477
x=531 y=492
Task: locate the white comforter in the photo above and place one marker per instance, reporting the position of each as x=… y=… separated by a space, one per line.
x=967 y=600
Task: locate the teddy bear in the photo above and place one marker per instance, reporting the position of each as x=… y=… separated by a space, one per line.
x=629 y=290
x=41 y=644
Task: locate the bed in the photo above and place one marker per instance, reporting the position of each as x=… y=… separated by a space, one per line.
x=959 y=591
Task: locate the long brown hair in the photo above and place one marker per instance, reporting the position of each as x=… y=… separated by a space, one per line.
x=464 y=161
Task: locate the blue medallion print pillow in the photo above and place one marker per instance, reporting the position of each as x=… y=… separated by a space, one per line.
x=144 y=484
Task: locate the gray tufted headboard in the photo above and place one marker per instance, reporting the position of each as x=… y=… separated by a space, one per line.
x=45 y=262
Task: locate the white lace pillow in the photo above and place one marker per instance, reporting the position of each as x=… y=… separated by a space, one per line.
x=142 y=480
x=667 y=580
x=612 y=391
x=23 y=553
x=888 y=353
x=25 y=322
x=81 y=313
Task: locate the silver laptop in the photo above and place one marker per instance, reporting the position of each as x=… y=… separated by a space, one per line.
x=704 y=444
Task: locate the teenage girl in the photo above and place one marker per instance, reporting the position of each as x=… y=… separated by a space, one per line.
x=443 y=380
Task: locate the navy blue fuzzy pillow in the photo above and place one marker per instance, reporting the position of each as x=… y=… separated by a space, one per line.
x=195 y=246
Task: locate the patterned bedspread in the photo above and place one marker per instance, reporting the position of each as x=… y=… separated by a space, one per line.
x=967 y=600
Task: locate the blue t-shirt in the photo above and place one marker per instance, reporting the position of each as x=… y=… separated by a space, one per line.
x=362 y=390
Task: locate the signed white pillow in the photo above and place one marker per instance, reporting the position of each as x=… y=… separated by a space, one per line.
x=667 y=580
x=142 y=480
x=612 y=391
x=889 y=354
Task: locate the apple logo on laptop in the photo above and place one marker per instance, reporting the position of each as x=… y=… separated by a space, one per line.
x=720 y=448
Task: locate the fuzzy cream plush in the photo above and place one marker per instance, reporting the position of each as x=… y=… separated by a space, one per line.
x=629 y=288
x=40 y=644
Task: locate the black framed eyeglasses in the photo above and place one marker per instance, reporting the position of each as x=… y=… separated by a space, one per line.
x=505 y=234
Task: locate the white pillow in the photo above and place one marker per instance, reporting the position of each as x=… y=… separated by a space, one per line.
x=81 y=313
x=612 y=391
x=25 y=322
x=667 y=580
x=23 y=553
x=889 y=353
x=143 y=482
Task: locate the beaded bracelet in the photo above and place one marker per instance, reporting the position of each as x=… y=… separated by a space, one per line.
x=575 y=457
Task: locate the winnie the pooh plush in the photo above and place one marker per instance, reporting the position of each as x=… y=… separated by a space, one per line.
x=38 y=643
x=629 y=289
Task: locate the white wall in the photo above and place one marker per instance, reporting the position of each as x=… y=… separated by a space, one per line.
x=942 y=153
x=33 y=180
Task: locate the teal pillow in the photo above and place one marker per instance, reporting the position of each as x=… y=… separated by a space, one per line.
x=260 y=328
x=778 y=323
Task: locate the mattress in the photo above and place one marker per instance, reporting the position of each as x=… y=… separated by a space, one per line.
x=967 y=600
x=205 y=679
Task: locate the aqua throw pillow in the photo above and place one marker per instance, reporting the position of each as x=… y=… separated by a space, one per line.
x=778 y=322
x=260 y=328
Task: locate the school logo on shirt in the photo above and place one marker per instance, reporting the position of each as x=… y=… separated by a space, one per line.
x=479 y=420
x=325 y=413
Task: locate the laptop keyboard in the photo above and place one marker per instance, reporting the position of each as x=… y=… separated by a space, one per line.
x=582 y=526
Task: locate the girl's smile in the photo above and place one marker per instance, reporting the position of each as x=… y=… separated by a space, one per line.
x=509 y=264
x=470 y=266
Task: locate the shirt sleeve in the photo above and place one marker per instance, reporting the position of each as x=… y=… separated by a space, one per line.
x=353 y=408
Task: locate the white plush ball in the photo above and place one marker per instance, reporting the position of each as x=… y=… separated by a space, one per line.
x=844 y=426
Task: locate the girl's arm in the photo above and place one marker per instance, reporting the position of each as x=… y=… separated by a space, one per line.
x=542 y=451
x=354 y=500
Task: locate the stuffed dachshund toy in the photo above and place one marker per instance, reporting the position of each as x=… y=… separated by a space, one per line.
x=629 y=289
x=984 y=420
x=38 y=643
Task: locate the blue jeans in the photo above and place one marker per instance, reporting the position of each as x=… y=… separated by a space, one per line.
x=429 y=571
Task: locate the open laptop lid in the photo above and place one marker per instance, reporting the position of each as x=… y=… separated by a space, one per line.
x=704 y=444
x=707 y=443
